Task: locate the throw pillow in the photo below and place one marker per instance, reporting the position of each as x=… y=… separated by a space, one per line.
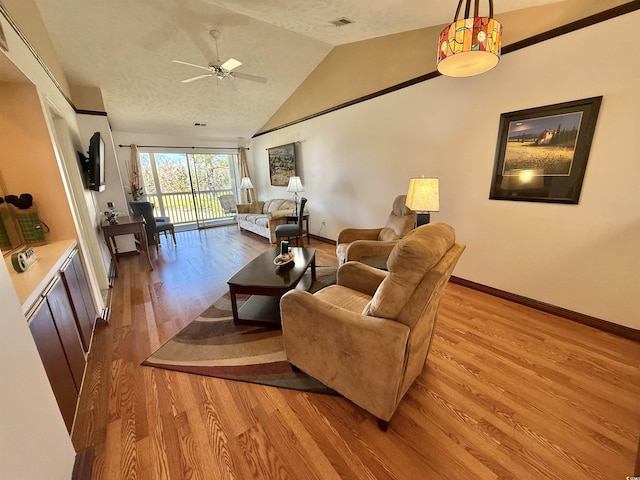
x=256 y=207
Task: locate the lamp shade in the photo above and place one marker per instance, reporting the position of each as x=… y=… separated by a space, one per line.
x=470 y=46
x=295 y=185
x=423 y=195
x=246 y=183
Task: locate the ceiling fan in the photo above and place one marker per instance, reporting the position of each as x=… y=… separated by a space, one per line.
x=222 y=71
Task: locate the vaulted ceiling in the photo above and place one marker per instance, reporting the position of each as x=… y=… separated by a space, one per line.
x=126 y=49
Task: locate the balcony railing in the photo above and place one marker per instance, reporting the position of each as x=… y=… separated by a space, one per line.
x=182 y=207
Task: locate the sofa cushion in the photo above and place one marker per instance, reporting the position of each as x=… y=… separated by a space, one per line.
x=276 y=204
x=260 y=220
x=343 y=297
x=256 y=207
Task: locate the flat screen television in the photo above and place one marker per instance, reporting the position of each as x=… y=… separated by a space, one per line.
x=93 y=164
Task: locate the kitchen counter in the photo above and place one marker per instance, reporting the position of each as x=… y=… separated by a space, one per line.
x=30 y=284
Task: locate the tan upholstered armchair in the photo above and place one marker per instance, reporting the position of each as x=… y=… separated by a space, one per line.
x=373 y=245
x=368 y=336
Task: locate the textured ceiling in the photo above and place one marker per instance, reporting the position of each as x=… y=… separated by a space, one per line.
x=125 y=48
x=373 y=18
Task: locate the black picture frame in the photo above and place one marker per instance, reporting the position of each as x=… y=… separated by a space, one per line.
x=542 y=152
x=282 y=164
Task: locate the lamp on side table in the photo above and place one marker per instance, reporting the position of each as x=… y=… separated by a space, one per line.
x=423 y=197
x=295 y=186
x=245 y=184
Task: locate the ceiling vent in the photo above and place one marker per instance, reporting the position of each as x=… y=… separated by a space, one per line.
x=199 y=124
x=341 y=22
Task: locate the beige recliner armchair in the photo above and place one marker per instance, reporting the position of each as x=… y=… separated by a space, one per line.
x=373 y=245
x=368 y=336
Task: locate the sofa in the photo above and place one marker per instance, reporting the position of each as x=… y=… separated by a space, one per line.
x=262 y=217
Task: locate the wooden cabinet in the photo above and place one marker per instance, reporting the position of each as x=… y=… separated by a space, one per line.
x=61 y=324
x=63 y=317
x=53 y=327
x=77 y=287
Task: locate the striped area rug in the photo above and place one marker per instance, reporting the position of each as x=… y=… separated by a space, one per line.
x=212 y=345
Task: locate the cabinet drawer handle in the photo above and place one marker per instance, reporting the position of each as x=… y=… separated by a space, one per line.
x=34 y=308
x=49 y=286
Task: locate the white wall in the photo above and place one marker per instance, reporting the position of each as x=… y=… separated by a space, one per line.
x=584 y=257
x=33 y=442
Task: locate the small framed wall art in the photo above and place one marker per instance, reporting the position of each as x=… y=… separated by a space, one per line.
x=542 y=152
x=282 y=164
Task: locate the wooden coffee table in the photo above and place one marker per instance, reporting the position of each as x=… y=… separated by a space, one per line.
x=267 y=283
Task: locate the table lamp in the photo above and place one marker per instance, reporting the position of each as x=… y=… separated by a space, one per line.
x=295 y=186
x=245 y=184
x=423 y=197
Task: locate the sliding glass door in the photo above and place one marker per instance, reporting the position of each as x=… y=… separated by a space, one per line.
x=211 y=177
x=187 y=186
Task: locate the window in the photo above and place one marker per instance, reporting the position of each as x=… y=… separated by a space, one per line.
x=186 y=186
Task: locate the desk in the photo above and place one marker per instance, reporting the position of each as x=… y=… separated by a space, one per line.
x=125 y=226
x=292 y=218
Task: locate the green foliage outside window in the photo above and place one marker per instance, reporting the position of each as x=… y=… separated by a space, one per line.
x=188 y=183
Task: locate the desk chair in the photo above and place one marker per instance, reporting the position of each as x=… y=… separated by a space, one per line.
x=153 y=225
x=289 y=230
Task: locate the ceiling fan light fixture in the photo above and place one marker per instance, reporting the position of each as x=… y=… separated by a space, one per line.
x=231 y=64
x=469 y=46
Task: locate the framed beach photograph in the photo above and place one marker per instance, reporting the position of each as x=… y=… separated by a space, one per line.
x=282 y=164
x=542 y=152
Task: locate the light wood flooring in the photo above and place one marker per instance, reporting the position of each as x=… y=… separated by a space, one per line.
x=507 y=392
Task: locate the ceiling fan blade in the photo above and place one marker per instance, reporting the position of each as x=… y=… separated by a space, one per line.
x=187 y=80
x=191 y=64
x=246 y=76
x=231 y=64
x=228 y=83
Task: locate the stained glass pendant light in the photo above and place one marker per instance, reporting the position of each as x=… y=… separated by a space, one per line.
x=470 y=46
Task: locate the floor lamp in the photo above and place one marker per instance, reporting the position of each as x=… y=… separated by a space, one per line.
x=295 y=186
x=245 y=184
x=423 y=197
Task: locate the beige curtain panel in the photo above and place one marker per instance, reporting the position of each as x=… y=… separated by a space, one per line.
x=244 y=172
